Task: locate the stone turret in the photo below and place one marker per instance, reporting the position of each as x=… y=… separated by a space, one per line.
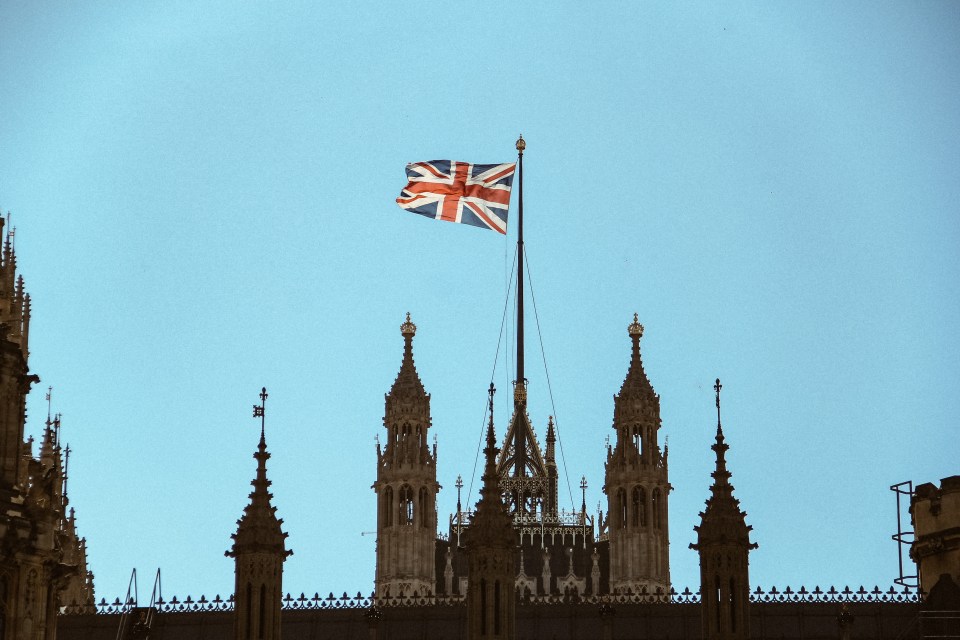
x=935 y=512
x=406 y=486
x=259 y=550
x=636 y=485
x=551 y=506
x=723 y=540
x=491 y=543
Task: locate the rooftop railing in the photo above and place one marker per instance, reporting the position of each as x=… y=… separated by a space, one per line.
x=359 y=601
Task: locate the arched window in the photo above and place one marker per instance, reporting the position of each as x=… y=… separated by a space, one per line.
x=622 y=507
x=655 y=507
x=639 y=507
x=406 y=505
x=388 y=507
x=422 y=504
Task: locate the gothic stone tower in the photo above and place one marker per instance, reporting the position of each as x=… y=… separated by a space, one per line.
x=39 y=552
x=723 y=540
x=935 y=513
x=636 y=485
x=406 y=486
x=259 y=549
x=490 y=542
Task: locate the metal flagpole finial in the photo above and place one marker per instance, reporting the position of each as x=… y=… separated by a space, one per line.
x=717 y=387
x=521 y=144
x=259 y=410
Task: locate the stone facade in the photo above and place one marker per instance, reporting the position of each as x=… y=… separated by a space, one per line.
x=42 y=560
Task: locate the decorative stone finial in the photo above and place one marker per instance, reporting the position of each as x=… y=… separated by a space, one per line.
x=521 y=144
x=635 y=328
x=408 y=328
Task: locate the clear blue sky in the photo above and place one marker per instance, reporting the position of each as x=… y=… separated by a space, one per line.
x=204 y=202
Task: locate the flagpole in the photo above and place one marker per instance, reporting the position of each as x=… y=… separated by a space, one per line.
x=520 y=388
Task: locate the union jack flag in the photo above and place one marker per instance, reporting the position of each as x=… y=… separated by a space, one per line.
x=475 y=194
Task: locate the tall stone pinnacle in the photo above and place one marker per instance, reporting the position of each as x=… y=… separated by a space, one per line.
x=722 y=520
x=408 y=386
x=637 y=401
x=258 y=530
x=491 y=525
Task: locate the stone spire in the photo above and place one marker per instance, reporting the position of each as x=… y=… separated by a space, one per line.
x=259 y=550
x=723 y=540
x=490 y=542
x=491 y=523
x=407 y=397
x=637 y=401
x=551 y=501
x=259 y=529
x=14 y=300
x=722 y=520
x=406 y=486
x=637 y=485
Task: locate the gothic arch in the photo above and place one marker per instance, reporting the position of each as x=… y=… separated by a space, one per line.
x=406 y=505
x=622 y=507
x=639 y=507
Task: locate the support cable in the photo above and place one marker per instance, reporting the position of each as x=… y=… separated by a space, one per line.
x=493 y=373
x=556 y=420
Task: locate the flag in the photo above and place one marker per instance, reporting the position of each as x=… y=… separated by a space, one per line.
x=475 y=194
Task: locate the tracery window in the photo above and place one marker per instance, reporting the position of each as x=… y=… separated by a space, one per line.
x=622 y=507
x=655 y=507
x=406 y=505
x=639 y=507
